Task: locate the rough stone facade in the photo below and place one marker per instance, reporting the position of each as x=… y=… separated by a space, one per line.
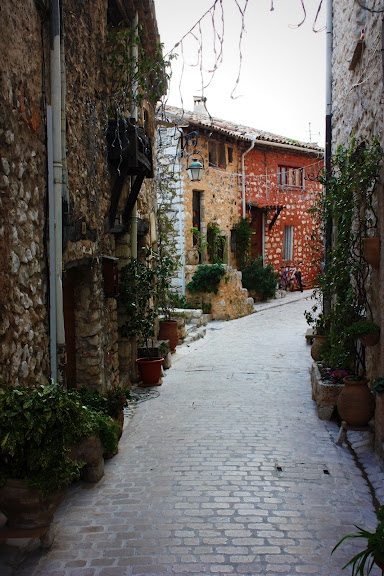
x=24 y=343
x=222 y=147
x=92 y=340
x=266 y=195
x=230 y=302
x=357 y=108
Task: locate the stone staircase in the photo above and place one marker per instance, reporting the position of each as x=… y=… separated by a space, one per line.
x=192 y=324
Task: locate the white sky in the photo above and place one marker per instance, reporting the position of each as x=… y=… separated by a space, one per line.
x=282 y=83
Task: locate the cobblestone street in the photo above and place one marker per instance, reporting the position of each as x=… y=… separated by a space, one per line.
x=227 y=471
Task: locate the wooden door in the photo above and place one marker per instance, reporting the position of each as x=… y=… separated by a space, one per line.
x=257 y=233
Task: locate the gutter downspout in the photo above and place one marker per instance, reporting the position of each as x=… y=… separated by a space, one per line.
x=328 y=132
x=243 y=176
x=181 y=231
x=55 y=71
x=135 y=115
x=52 y=251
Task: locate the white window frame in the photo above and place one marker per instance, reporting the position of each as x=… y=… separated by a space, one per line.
x=288 y=243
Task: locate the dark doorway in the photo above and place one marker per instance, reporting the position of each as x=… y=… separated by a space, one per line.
x=257 y=233
x=69 y=326
x=196 y=211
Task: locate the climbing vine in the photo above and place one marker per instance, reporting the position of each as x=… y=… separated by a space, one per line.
x=130 y=66
x=348 y=204
x=216 y=240
x=242 y=233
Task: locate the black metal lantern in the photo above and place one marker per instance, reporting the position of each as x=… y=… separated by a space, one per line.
x=195 y=170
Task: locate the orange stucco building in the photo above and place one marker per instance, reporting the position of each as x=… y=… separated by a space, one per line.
x=270 y=179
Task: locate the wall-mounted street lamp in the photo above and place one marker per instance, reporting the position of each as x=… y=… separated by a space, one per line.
x=195 y=170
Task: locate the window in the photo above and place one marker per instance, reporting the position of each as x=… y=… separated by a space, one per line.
x=290 y=176
x=216 y=152
x=230 y=155
x=287 y=242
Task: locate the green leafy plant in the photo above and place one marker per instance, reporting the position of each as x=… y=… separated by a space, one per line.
x=206 y=278
x=137 y=287
x=374 y=548
x=107 y=429
x=378 y=385
x=168 y=256
x=362 y=328
x=216 y=241
x=261 y=279
x=199 y=240
x=242 y=237
x=38 y=426
x=348 y=208
x=130 y=65
x=110 y=402
x=206 y=307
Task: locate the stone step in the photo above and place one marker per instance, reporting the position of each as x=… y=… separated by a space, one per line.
x=195 y=333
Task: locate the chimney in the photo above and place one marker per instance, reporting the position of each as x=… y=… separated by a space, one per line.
x=199 y=105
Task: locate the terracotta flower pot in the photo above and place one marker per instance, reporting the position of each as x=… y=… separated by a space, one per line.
x=150 y=371
x=356 y=404
x=317 y=346
x=26 y=508
x=371 y=248
x=370 y=339
x=168 y=330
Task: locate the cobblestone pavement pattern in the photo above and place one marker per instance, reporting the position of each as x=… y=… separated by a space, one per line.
x=228 y=471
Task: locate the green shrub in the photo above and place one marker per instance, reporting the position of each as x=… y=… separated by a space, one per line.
x=111 y=402
x=206 y=278
x=242 y=234
x=261 y=279
x=38 y=426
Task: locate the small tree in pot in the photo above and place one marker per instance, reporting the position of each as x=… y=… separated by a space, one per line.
x=138 y=300
x=168 y=258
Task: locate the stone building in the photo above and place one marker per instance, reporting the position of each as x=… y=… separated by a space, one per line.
x=68 y=191
x=355 y=106
x=247 y=173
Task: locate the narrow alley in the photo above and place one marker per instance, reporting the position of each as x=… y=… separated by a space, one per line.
x=227 y=471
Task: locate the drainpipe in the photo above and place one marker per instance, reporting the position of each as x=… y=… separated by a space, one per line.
x=55 y=71
x=135 y=115
x=243 y=172
x=328 y=131
x=181 y=233
x=52 y=252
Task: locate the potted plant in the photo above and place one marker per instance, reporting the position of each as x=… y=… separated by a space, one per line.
x=168 y=326
x=319 y=323
x=110 y=403
x=137 y=299
x=356 y=404
x=38 y=427
x=372 y=552
x=367 y=332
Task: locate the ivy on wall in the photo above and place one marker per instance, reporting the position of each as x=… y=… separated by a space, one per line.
x=348 y=202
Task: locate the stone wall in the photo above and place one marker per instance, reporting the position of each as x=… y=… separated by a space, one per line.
x=357 y=108
x=230 y=302
x=219 y=196
x=24 y=343
x=87 y=184
x=262 y=166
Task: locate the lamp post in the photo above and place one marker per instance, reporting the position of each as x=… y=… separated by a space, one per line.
x=195 y=170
